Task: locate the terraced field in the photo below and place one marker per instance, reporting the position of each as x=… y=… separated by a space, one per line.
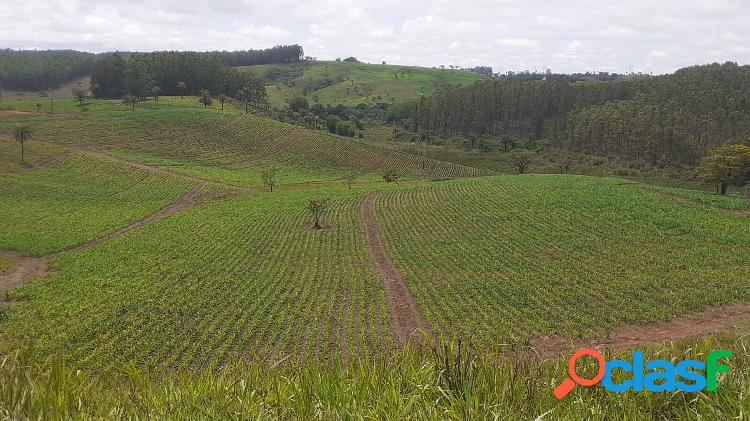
x=75 y=200
x=513 y=259
x=240 y=277
x=226 y=146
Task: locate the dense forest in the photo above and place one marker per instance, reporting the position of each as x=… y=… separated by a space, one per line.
x=168 y=73
x=28 y=70
x=277 y=54
x=676 y=117
x=41 y=70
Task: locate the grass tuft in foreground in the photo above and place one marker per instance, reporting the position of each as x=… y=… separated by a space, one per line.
x=446 y=383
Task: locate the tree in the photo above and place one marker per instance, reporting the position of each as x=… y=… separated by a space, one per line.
x=181 y=88
x=727 y=164
x=204 y=97
x=522 y=161
x=155 y=91
x=391 y=176
x=130 y=101
x=22 y=134
x=350 y=179
x=108 y=77
x=317 y=207
x=139 y=81
x=245 y=95
x=269 y=177
x=79 y=94
x=222 y=98
x=297 y=103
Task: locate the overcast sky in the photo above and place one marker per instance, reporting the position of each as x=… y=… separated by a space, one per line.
x=577 y=35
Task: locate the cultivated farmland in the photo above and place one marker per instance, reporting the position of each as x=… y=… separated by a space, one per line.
x=514 y=259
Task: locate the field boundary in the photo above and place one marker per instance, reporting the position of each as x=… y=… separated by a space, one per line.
x=404 y=316
x=28 y=268
x=626 y=337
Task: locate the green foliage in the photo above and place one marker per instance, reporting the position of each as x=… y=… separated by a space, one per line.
x=297 y=103
x=108 y=76
x=391 y=176
x=76 y=200
x=204 y=97
x=672 y=118
x=411 y=385
x=41 y=70
x=727 y=164
x=530 y=248
x=317 y=208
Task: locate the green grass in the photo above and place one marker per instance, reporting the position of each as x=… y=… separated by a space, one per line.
x=75 y=200
x=227 y=146
x=10 y=153
x=335 y=83
x=728 y=202
x=7 y=265
x=237 y=278
x=408 y=386
x=500 y=259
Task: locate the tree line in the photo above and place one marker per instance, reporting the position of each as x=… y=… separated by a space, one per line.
x=277 y=54
x=677 y=117
x=42 y=70
x=27 y=70
x=170 y=73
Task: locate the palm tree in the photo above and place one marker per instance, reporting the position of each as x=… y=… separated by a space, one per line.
x=181 y=87
x=22 y=134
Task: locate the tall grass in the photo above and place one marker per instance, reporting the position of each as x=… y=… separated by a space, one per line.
x=447 y=382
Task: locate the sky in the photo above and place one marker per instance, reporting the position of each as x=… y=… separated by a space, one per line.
x=648 y=36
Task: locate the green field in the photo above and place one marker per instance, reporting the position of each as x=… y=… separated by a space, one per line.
x=76 y=200
x=332 y=83
x=243 y=283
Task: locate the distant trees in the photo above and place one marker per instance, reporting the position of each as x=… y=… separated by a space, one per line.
x=139 y=81
x=297 y=103
x=351 y=60
x=22 y=134
x=181 y=88
x=522 y=161
x=673 y=118
x=269 y=177
x=79 y=93
x=204 y=97
x=40 y=70
x=317 y=207
x=727 y=164
x=277 y=54
x=130 y=101
x=108 y=76
x=391 y=176
x=350 y=179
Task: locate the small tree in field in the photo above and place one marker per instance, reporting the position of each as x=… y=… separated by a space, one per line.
x=350 y=179
x=522 y=162
x=205 y=98
x=269 y=177
x=245 y=95
x=155 y=91
x=317 y=207
x=727 y=164
x=181 y=88
x=391 y=177
x=22 y=134
x=222 y=98
x=130 y=101
x=79 y=94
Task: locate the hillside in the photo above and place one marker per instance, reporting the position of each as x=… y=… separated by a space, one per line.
x=332 y=82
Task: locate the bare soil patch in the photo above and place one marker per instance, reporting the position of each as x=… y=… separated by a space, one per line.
x=14 y=112
x=628 y=337
x=26 y=269
x=403 y=313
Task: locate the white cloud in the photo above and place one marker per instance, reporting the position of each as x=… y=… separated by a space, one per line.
x=578 y=35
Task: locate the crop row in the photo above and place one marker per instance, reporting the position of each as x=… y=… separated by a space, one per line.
x=241 y=277
x=77 y=199
x=510 y=259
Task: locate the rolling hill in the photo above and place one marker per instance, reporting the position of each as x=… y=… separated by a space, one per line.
x=338 y=82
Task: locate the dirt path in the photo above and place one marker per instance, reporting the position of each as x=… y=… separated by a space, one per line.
x=628 y=337
x=403 y=313
x=28 y=268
